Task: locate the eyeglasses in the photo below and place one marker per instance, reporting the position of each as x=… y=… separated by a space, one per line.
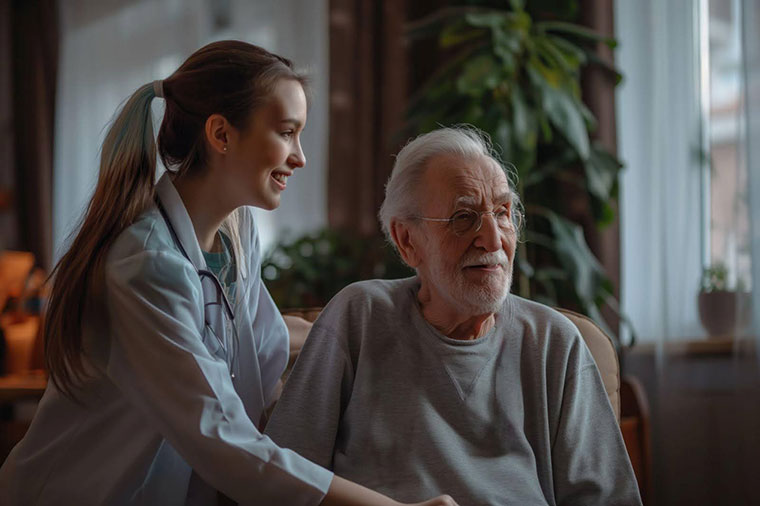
x=468 y=220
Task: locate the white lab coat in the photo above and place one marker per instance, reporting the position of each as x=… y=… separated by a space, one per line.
x=161 y=402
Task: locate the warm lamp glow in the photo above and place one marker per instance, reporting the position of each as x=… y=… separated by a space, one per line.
x=20 y=337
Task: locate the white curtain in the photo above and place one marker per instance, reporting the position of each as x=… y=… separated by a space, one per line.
x=659 y=139
x=111 y=48
x=751 y=72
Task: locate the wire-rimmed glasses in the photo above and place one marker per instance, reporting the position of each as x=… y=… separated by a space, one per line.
x=466 y=220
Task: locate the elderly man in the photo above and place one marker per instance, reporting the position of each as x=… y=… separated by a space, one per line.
x=445 y=381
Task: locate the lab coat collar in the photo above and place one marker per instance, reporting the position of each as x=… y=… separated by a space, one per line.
x=180 y=220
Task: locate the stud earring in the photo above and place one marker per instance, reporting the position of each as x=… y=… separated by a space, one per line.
x=224 y=148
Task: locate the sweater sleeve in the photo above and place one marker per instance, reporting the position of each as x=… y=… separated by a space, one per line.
x=160 y=363
x=307 y=416
x=589 y=461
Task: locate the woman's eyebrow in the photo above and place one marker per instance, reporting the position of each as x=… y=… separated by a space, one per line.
x=293 y=121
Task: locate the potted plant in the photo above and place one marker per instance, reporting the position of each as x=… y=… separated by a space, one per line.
x=723 y=311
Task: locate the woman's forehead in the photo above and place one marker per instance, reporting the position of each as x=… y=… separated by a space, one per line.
x=287 y=101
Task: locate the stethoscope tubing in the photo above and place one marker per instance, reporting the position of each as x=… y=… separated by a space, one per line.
x=219 y=288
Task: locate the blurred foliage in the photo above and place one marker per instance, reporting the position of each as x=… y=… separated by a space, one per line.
x=517 y=77
x=715 y=277
x=308 y=271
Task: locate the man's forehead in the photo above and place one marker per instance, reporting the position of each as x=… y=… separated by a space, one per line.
x=468 y=180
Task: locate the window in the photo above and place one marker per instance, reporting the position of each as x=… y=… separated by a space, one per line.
x=682 y=136
x=726 y=239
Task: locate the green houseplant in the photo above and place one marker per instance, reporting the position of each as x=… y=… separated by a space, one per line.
x=307 y=271
x=518 y=79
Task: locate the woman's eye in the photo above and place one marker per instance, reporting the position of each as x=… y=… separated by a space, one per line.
x=288 y=134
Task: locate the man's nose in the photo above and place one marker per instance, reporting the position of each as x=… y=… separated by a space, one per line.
x=490 y=235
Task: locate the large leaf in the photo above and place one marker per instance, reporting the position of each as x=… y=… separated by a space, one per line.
x=479 y=74
x=564 y=114
x=441 y=85
x=556 y=163
x=594 y=59
x=602 y=171
x=502 y=136
x=432 y=24
x=506 y=45
x=576 y=30
x=456 y=34
x=578 y=56
x=492 y=19
x=550 y=52
x=524 y=120
x=575 y=256
x=548 y=278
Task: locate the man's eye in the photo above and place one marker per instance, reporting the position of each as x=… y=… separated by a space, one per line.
x=462 y=217
x=502 y=213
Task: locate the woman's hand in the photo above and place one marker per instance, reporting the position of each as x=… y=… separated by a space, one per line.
x=347 y=493
x=442 y=500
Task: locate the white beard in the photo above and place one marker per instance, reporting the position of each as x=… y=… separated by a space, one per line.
x=480 y=298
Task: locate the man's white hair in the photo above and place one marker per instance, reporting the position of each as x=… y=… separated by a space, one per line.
x=465 y=141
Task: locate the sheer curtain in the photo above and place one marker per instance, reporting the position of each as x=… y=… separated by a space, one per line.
x=704 y=394
x=751 y=53
x=658 y=125
x=108 y=49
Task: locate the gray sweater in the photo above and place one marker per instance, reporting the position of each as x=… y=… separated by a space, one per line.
x=518 y=416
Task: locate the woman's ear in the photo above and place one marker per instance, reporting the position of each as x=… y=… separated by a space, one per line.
x=405 y=240
x=217 y=133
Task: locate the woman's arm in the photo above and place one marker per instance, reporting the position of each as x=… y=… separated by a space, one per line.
x=346 y=493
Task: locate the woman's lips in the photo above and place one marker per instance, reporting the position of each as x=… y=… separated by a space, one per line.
x=280 y=179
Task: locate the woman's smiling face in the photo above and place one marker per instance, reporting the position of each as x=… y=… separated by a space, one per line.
x=267 y=152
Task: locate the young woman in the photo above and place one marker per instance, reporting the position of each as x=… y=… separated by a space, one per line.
x=163 y=345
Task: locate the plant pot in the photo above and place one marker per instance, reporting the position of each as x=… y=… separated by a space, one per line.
x=724 y=313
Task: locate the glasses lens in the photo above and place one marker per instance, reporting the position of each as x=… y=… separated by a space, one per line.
x=503 y=219
x=463 y=221
x=517 y=220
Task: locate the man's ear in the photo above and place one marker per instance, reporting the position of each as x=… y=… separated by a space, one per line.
x=403 y=236
x=217 y=131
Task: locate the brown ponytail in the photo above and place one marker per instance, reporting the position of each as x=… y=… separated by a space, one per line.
x=230 y=78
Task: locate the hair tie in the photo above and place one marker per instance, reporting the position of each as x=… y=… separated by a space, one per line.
x=158 y=88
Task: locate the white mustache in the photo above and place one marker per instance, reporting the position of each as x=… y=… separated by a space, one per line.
x=495 y=258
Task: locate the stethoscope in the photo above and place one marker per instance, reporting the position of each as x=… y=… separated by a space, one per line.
x=230 y=355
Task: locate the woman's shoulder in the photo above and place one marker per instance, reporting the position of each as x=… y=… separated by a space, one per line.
x=144 y=257
x=148 y=233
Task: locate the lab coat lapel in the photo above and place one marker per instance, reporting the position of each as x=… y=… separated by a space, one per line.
x=180 y=220
x=185 y=234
